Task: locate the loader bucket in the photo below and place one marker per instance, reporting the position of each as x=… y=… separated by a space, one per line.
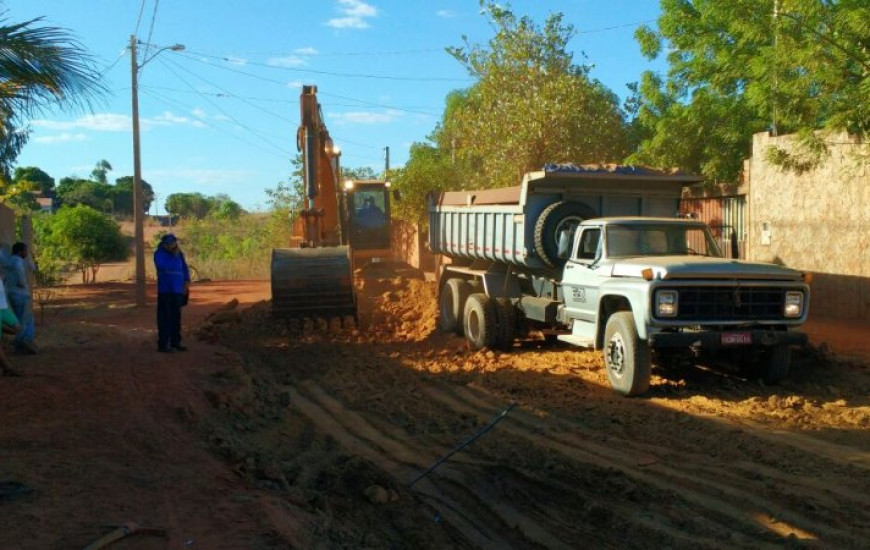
x=313 y=283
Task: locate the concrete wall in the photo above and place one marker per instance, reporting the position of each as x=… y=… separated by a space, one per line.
x=817 y=221
x=410 y=246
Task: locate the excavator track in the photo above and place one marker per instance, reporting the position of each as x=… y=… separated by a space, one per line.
x=313 y=283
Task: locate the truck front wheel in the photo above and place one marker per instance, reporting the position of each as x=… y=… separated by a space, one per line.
x=451 y=304
x=774 y=363
x=481 y=321
x=626 y=356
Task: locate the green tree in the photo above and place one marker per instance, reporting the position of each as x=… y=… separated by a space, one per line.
x=27 y=183
x=190 y=205
x=100 y=170
x=742 y=66
x=83 y=237
x=73 y=191
x=429 y=168
x=40 y=67
x=531 y=104
x=123 y=196
x=359 y=173
x=35 y=179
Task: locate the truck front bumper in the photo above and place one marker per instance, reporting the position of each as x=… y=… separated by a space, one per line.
x=714 y=339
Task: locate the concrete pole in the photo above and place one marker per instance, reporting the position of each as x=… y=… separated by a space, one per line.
x=138 y=214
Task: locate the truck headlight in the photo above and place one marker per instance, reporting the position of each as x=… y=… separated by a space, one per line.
x=794 y=304
x=666 y=303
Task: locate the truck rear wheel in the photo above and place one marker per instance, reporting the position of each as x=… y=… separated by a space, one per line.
x=480 y=320
x=506 y=315
x=626 y=356
x=451 y=305
x=774 y=363
x=556 y=218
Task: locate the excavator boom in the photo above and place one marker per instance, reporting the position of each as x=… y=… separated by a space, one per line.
x=316 y=279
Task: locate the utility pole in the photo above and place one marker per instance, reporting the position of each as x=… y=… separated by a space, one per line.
x=386 y=162
x=138 y=200
x=139 y=233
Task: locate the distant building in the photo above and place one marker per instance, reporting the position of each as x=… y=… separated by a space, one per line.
x=46 y=204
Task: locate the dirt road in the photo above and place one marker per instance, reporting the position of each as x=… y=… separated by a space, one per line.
x=289 y=438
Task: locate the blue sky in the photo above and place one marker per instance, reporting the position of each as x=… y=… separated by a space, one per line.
x=221 y=116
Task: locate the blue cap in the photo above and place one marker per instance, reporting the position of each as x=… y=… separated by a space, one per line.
x=169 y=238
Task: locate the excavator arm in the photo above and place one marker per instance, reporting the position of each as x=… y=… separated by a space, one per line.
x=316 y=279
x=319 y=220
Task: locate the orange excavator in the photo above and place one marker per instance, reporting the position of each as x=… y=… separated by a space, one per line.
x=337 y=226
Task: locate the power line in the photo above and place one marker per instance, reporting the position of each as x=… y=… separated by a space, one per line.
x=229 y=94
x=356 y=102
x=603 y=29
x=348 y=54
x=139 y=19
x=160 y=97
x=151 y=29
x=213 y=104
x=327 y=73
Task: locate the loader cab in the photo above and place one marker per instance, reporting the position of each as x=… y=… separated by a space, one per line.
x=368 y=214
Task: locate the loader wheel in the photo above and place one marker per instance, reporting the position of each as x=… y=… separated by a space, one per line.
x=481 y=321
x=451 y=305
x=506 y=316
x=626 y=356
x=773 y=364
x=556 y=218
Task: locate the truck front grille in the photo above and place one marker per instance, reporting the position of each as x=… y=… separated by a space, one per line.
x=717 y=303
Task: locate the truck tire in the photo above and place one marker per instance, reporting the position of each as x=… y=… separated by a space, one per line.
x=506 y=317
x=552 y=221
x=480 y=321
x=774 y=363
x=626 y=357
x=451 y=305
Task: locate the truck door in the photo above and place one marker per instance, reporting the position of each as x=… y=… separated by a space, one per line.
x=580 y=281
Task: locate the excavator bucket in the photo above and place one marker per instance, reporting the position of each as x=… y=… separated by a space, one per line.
x=313 y=283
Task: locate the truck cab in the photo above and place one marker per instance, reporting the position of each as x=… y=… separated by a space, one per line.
x=632 y=286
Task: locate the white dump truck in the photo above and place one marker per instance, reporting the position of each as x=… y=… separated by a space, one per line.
x=596 y=257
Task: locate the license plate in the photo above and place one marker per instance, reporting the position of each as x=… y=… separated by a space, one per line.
x=736 y=338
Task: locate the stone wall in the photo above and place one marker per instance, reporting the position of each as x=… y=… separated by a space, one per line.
x=815 y=221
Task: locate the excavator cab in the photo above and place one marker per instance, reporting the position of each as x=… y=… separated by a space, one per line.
x=368 y=228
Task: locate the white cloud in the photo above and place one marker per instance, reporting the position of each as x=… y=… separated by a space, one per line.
x=445 y=13
x=237 y=61
x=354 y=14
x=295 y=85
x=201 y=176
x=106 y=122
x=289 y=61
x=199 y=113
x=366 y=117
x=60 y=138
x=111 y=122
x=306 y=51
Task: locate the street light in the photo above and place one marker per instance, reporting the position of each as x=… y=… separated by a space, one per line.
x=138 y=212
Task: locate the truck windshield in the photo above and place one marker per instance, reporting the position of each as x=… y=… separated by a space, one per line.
x=645 y=239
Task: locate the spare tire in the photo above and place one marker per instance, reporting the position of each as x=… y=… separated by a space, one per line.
x=559 y=216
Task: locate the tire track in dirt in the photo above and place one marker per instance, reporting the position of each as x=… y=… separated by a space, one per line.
x=342 y=425
x=460 y=493
x=703 y=488
x=462 y=498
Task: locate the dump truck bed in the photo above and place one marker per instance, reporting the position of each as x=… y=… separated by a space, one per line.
x=503 y=225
